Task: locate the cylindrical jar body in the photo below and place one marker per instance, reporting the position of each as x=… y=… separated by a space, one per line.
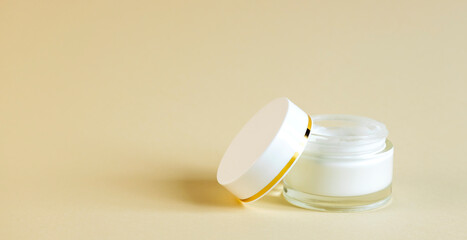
x=346 y=166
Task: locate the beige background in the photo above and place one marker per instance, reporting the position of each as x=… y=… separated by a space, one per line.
x=114 y=114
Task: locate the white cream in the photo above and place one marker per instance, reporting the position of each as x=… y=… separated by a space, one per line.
x=346 y=156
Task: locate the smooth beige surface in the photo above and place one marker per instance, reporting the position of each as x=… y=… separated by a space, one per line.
x=114 y=114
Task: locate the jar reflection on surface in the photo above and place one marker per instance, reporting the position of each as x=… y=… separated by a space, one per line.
x=346 y=166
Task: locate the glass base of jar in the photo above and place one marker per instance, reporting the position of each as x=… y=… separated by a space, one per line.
x=338 y=204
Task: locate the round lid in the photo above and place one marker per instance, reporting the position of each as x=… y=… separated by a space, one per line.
x=264 y=150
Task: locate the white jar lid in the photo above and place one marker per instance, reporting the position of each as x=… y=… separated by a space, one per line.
x=264 y=150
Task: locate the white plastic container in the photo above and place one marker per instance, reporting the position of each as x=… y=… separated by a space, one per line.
x=328 y=162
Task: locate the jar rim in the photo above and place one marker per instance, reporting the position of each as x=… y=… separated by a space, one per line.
x=346 y=135
x=363 y=128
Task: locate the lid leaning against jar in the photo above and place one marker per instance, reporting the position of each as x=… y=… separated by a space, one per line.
x=264 y=150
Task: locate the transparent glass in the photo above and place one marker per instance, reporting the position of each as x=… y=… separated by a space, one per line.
x=338 y=204
x=346 y=166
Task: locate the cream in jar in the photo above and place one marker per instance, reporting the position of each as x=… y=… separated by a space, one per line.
x=346 y=166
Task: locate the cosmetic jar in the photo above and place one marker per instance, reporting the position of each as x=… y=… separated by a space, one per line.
x=345 y=166
x=339 y=163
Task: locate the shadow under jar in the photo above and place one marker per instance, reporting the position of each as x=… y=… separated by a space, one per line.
x=346 y=166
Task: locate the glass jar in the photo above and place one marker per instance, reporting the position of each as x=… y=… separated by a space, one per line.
x=337 y=163
x=346 y=166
